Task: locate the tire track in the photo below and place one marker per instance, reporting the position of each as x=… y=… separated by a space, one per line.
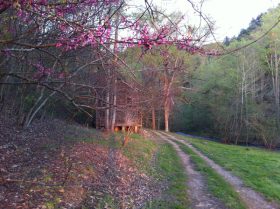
x=197 y=189
x=252 y=199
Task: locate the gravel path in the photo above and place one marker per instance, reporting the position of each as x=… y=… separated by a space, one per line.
x=197 y=189
x=252 y=199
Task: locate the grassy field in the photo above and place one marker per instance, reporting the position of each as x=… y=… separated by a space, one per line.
x=258 y=168
x=215 y=183
x=169 y=167
x=166 y=166
x=141 y=152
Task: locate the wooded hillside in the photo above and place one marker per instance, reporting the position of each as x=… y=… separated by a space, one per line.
x=236 y=96
x=65 y=59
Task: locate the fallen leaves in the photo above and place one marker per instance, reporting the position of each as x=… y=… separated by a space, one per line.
x=38 y=169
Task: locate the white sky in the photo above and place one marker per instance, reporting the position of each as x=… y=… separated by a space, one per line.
x=230 y=16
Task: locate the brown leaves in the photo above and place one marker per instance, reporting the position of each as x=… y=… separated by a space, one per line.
x=39 y=170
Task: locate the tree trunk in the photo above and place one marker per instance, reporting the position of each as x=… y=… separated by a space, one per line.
x=114 y=109
x=166 y=117
x=107 y=111
x=114 y=90
x=167 y=98
x=153 y=119
x=31 y=117
x=277 y=90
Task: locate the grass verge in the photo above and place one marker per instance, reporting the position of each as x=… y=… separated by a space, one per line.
x=258 y=168
x=143 y=153
x=170 y=168
x=139 y=150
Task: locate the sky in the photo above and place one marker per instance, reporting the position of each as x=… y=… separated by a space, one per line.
x=230 y=16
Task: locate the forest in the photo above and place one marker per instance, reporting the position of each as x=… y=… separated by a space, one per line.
x=236 y=97
x=52 y=64
x=115 y=104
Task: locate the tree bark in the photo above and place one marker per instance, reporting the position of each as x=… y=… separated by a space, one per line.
x=114 y=108
x=107 y=111
x=166 y=117
x=167 y=85
x=114 y=86
x=153 y=119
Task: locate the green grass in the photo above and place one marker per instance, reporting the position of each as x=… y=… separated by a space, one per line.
x=258 y=168
x=215 y=183
x=141 y=152
x=170 y=168
x=83 y=134
x=138 y=149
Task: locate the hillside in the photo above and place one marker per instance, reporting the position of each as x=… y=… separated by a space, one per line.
x=93 y=92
